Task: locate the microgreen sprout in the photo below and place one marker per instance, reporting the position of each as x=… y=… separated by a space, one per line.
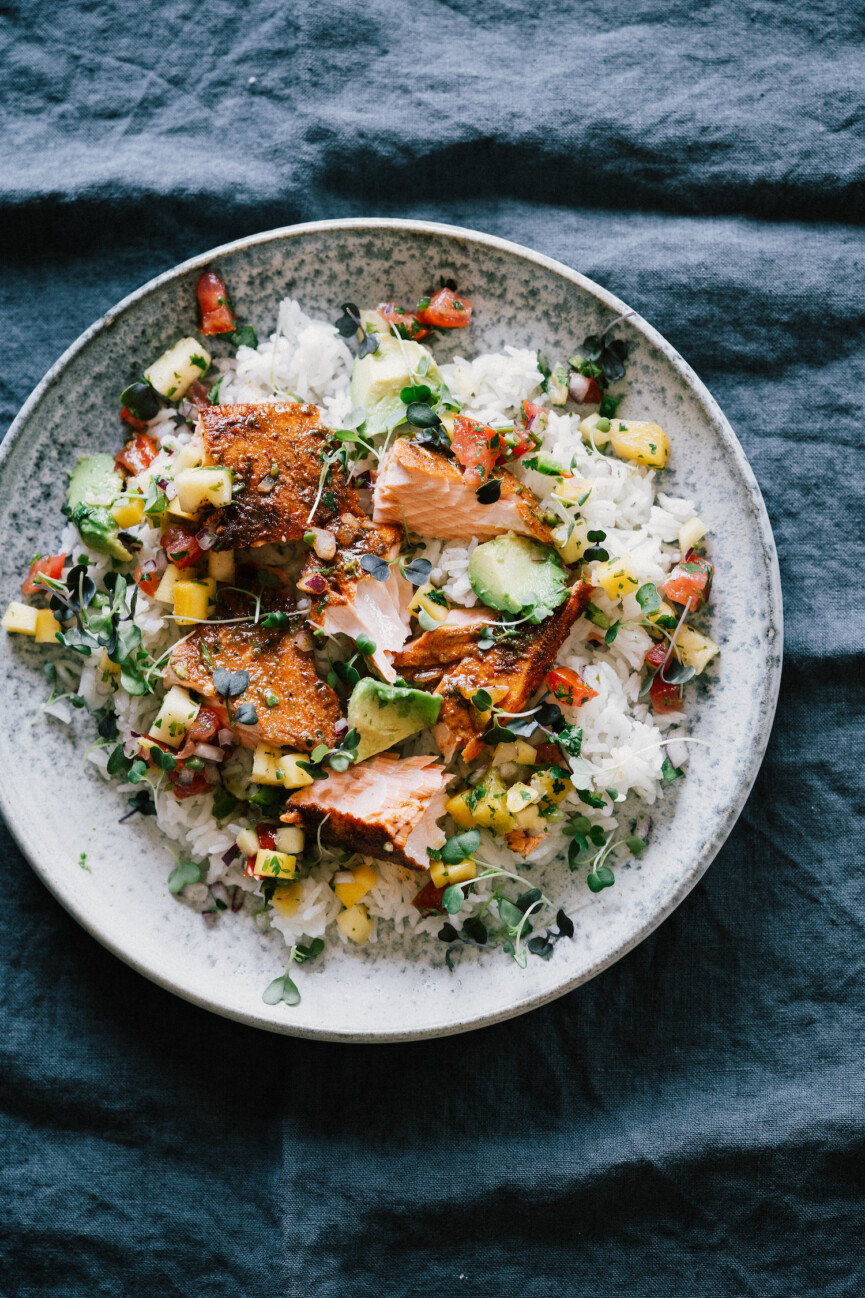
x=283 y=989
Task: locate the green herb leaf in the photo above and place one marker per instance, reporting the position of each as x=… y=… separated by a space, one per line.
x=648 y=597
x=460 y=846
x=452 y=899
x=185 y=872
x=671 y=772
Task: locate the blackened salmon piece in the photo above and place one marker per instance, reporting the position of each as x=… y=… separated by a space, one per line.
x=387 y=807
x=277 y=453
x=512 y=670
x=294 y=707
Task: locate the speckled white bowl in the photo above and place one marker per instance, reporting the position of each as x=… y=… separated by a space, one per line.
x=57 y=810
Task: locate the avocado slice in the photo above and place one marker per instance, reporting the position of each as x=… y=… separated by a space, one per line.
x=518 y=575
x=378 y=379
x=93 y=481
x=383 y=715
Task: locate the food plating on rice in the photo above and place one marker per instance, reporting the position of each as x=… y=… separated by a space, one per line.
x=379 y=639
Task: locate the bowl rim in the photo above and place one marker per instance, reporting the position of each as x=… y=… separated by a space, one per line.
x=771 y=681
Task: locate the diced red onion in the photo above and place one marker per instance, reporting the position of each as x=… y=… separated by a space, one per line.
x=211 y=773
x=237 y=895
x=324 y=543
x=220 y=893
x=149 y=565
x=677 y=751
x=166 y=485
x=209 y=752
x=185 y=776
x=578 y=386
x=229 y=856
x=161 y=560
x=362 y=480
x=314 y=584
x=304 y=641
x=341 y=726
x=205 y=538
x=225 y=737
x=209 y=917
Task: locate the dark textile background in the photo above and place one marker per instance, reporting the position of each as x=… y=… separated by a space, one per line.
x=692 y=1121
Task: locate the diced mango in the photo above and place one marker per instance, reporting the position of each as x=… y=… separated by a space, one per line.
x=521 y=795
x=691 y=532
x=552 y=787
x=20 y=617
x=491 y=813
x=695 y=650
x=458 y=808
x=355 y=923
x=47 y=627
x=432 y=601
x=199 y=487
x=444 y=875
x=190 y=601
x=363 y=877
x=636 y=439
x=289 y=771
x=174 y=718
x=291 y=839
x=164 y=592
x=129 y=512
x=107 y=666
x=519 y=751
x=591 y=432
x=531 y=820
x=173 y=372
x=287 y=898
x=176 y=509
x=574 y=490
x=247 y=842
x=220 y=565
x=265 y=765
x=189 y=456
x=270 y=864
x=616 y=578
x=571 y=539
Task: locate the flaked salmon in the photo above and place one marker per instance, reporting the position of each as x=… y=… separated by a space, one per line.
x=512 y=671
x=425 y=659
x=306 y=709
x=347 y=600
x=387 y=807
x=425 y=492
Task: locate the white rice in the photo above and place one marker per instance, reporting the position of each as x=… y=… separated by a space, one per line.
x=306 y=359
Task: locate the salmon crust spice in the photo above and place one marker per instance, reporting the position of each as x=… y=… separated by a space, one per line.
x=392 y=648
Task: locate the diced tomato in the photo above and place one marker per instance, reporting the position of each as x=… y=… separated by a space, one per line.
x=132 y=420
x=137 y=455
x=656 y=655
x=408 y=325
x=249 y=868
x=205 y=727
x=477 y=447
x=216 y=314
x=568 y=687
x=429 y=897
x=198 y=784
x=199 y=394
x=446 y=310
x=181 y=546
x=51 y=566
x=690 y=580
x=665 y=697
x=146 y=582
x=266 y=837
x=548 y=755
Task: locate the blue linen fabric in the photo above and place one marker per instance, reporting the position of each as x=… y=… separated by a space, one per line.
x=692 y=1121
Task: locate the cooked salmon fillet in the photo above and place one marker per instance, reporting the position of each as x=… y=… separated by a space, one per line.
x=307 y=709
x=346 y=600
x=425 y=658
x=517 y=665
x=278 y=451
x=425 y=492
x=387 y=807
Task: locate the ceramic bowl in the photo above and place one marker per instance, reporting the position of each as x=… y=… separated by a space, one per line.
x=57 y=808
